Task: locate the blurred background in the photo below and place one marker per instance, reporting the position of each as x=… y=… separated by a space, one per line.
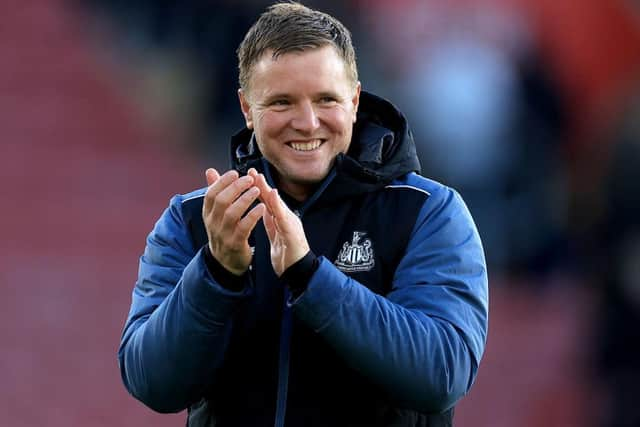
x=530 y=108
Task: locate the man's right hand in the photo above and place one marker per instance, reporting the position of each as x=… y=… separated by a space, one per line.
x=225 y=203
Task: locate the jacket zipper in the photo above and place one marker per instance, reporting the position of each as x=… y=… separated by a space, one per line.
x=286 y=324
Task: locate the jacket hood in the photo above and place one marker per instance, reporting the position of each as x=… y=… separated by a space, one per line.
x=382 y=149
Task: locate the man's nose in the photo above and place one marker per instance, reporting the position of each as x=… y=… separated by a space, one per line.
x=305 y=119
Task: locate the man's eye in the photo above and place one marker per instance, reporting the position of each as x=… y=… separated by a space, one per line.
x=327 y=99
x=280 y=102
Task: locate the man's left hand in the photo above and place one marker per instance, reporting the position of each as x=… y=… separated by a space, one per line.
x=284 y=228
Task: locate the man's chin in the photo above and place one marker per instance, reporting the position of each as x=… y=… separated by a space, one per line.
x=308 y=178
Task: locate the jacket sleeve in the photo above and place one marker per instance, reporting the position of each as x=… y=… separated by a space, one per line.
x=423 y=341
x=180 y=320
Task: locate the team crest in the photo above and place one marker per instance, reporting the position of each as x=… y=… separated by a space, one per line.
x=356 y=255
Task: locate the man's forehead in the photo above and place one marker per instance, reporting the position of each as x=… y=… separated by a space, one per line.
x=308 y=65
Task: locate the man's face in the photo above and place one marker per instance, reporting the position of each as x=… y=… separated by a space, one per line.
x=301 y=107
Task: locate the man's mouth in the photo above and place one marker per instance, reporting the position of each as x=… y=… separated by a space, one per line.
x=306 y=145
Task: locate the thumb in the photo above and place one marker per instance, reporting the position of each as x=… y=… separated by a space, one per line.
x=212 y=176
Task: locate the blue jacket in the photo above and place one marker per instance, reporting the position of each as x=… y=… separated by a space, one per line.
x=389 y=331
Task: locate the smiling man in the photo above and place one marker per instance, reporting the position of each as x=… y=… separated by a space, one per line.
x=321 y=281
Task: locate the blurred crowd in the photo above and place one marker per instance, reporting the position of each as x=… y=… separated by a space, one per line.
x=531 y=109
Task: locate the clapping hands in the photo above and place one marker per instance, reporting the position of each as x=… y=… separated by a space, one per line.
x=229 y=225
x=284 y=228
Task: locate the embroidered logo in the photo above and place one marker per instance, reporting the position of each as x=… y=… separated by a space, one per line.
x=357 y=255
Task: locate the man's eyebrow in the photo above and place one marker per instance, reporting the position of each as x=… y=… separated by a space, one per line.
x=277 y=95
x=327 y=93
x=288 y=96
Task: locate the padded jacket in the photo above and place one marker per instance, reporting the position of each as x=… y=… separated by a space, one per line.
x=389 y=331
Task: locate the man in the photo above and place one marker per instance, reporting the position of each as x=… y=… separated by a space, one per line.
x=321 y=282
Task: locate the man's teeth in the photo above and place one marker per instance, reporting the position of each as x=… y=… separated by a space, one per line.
x=305 y=146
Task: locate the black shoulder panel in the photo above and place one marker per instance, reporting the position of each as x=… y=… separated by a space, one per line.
x=366 y=236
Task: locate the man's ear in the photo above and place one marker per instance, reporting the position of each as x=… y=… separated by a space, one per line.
x=356 y=101
x=246 y=109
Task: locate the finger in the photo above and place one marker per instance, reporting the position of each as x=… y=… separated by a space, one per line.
x=259 y=181
x=226 y=197
x=219 y=185
x=212 y=176
x=248 y=223
x=267 y=194
x=278 y=207
x=265 y=189
x=269 y=226
x=235 y=211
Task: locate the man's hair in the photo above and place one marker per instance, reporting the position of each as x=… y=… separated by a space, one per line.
x=292 y=27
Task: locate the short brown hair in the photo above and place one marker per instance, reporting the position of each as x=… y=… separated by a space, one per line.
x=292 y=27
